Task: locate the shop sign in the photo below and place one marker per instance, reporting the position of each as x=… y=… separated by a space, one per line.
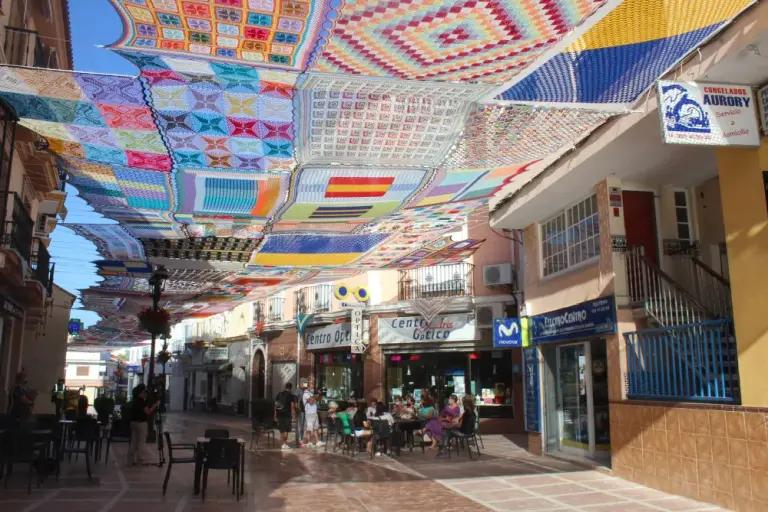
x=703 y=114
x=762 y=102
x=593 y=318
x=328 y=336
x=507 y=332
x=409 y=329
x=217 y=354
x=531 y=394
x=358 y=337
x=10 y=308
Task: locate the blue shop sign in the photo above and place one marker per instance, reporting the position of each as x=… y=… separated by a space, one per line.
x=588 y=319
x=507 y=332
x=531 y=399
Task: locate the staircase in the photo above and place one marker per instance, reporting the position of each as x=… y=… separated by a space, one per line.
x=689 y=351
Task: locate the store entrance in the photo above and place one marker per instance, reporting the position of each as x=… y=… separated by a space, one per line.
x=576 y=400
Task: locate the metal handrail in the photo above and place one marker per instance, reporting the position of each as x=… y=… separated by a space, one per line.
x=16 y=233
x=692 y=362
x=709 y=288
x=447 y=280
x=21 y=44
x=41 y=262
x=664 y=299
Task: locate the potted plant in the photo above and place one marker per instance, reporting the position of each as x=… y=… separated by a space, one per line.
x=163 y=357
x=104 y=406
x=154 y=322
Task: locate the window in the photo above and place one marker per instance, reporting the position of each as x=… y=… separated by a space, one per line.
x=571 y=237
x=681 y=215
x=81 y=371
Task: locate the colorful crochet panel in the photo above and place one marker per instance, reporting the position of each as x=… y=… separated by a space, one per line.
x=453 y=40
x=274 y=33
x=102 y=118
x=619 y=58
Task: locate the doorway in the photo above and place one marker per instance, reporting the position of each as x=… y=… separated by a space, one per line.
x=258 y=376
x=640 y=222
x=576 y=400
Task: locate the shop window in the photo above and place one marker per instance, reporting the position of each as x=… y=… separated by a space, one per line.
x=340 y=375
x=571 y=238
x=682 y=216
x=82 y=371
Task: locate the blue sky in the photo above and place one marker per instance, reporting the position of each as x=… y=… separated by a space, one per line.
x=94 y=23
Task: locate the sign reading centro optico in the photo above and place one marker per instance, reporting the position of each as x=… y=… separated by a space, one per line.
x=707 y=114
x=329 y=336
x=592 y=318
x=409 y=329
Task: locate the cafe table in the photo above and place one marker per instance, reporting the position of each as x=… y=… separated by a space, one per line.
x=407 y=427
x=200 y=455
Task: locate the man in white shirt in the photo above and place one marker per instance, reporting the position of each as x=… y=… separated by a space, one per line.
x=311 y=420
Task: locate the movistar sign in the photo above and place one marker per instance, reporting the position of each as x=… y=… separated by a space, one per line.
x=507 y=332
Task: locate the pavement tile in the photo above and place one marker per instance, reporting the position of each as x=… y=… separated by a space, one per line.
x=505 y=478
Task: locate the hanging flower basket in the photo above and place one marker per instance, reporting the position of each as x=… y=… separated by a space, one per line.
x=163 y=357
x=154 y=322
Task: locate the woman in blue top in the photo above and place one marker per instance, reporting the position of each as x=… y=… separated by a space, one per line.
x=432 y=427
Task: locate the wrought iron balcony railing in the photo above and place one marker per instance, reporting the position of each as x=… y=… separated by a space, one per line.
x=451 y=280
x=312 y=299
x=274 y=309
x=41 y=264
x=17 y=226
x=23 y=48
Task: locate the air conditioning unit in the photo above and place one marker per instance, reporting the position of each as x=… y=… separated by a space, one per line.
x=497 y=275
x=485 y=314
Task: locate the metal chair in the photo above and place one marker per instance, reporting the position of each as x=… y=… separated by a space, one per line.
x=119 y=433
x=259 y=427
x=172 y=459
x=85 y=431
x=382 y=433
x=217 y=433
x=222 y=454
x=20 y=448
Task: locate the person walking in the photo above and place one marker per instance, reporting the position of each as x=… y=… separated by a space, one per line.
x=140 y=413
x=20 y=402
x=285 y=411
x=311 y=420
x=302 y=396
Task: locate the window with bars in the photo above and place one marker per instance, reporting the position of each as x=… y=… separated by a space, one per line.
x=682 y=216
x=571 y=237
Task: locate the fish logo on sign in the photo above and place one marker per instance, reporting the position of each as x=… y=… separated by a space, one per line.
x=507 y=332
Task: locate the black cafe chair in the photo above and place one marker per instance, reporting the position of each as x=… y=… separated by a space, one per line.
x=85 y=435
x=119 y=433
x=175 y=458
x=222 y=454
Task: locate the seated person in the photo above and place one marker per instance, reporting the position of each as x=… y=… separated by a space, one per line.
x=451 y=411
x=361 y=426
x=465 y=425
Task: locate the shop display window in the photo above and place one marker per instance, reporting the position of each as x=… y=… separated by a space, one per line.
x=339 y=375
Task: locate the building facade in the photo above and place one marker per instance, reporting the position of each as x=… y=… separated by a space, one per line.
x=643 y=268
x=33 y=34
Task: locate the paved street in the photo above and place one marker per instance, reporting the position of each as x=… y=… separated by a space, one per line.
x=506 y=478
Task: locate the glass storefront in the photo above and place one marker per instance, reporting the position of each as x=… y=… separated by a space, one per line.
x=576 y=399
x=488 y=376
x=339 y=375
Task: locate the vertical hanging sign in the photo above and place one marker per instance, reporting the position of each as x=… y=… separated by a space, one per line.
x=531 y=394
x=358 y=340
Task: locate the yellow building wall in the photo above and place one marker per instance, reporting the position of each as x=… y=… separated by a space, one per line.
x=745 y=215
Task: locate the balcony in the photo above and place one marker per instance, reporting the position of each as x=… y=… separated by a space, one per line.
x=17 y=227
x=41 y=264
x=23 y=48
x=312 y=299
x=274 y=309
x=453 y=280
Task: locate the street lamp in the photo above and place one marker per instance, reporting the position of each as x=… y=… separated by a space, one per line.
x=157 y=282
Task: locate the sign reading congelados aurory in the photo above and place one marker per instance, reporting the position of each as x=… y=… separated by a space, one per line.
x=409 y=329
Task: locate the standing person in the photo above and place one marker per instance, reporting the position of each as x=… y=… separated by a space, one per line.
x=302 y=395
x=57 y=396
x=285 y=411
x=140 y=413
x=311 y=420
x=20 y=402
